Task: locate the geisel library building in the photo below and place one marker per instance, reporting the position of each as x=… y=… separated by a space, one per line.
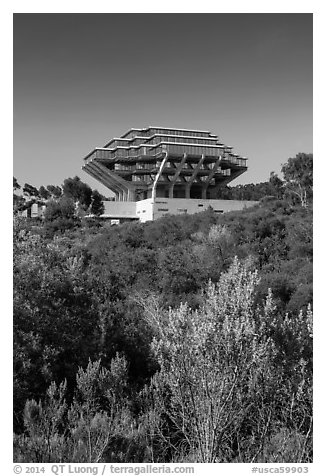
x=157 y=171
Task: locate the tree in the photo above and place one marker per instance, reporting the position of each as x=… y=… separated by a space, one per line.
x=65 y=208
x=16 y=185
x=55 y=191
x=97 y=206
x=79 y=191
x=30 y=191
x=298 y=175
x=44 y=193
x=276 y=185
x=19 y=202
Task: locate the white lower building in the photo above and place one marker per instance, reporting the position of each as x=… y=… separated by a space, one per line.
x=149 y=209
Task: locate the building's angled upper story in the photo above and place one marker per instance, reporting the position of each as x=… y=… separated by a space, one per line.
x=164 y=162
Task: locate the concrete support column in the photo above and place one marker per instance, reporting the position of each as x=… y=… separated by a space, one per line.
x=93 y=169
x=131 y=195
x=209 y=178
x=193 y=176
x=112 y=180
x=159 y=173
x=176 y=175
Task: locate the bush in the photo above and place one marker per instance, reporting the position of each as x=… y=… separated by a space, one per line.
x=215 y=395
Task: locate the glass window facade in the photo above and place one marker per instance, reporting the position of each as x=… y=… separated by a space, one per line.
x=123 y=167
x=141 y=178
x=144 y=165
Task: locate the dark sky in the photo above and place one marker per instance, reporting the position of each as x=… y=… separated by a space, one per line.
x=81 y=79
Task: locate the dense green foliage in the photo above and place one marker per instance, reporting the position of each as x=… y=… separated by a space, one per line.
x=296 y=187
x=71 y=201
x=187 y=339
x=97 y=206
x=298 y=175
x=88 y=293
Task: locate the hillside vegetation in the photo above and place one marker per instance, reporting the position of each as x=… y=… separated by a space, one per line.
x=187 y=339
